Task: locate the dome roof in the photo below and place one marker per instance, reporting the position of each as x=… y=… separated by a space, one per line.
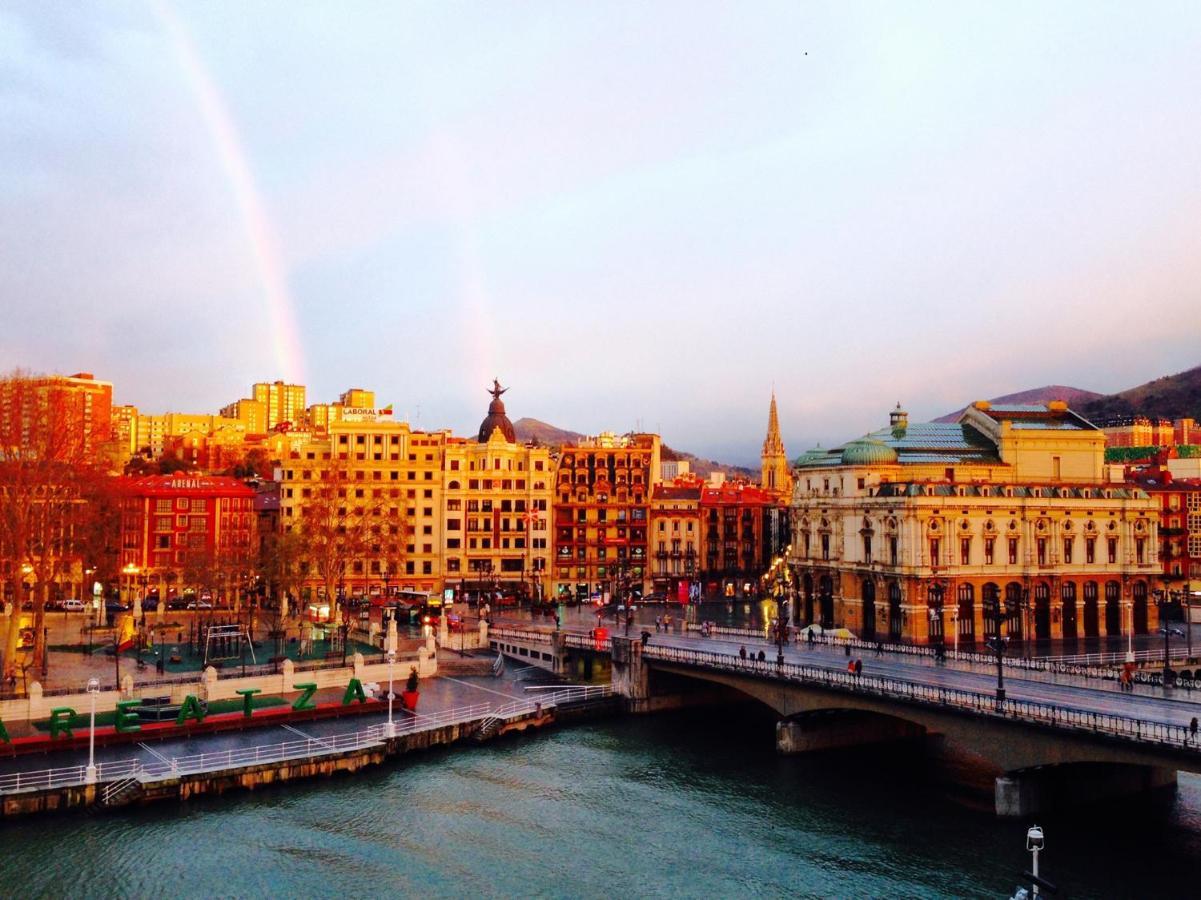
x=868 y=452
x=496 y=417
x=817 y=454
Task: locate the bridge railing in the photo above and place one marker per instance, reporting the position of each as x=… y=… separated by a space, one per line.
x=526 y=635
x=1061 y=717
x=588 y=642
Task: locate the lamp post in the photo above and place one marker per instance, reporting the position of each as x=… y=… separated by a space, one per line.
x=90 y=772
x=1164 y=600
x=1025 y=606
x=390 y=725
x=997 y=644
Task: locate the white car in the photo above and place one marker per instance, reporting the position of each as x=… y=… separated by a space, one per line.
x=72 y=606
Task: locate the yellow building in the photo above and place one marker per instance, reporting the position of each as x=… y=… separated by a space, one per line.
x=1004 y=521
x=497 y=511
x=283 y=402
x=387 y=465
x=251 y=413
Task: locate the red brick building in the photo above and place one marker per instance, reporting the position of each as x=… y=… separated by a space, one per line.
x=172 y=523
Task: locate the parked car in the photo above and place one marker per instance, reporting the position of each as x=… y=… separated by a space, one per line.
x=115 y=606
x=150 y=603
x=71 y=605
x=199 y=604
x=178 y=602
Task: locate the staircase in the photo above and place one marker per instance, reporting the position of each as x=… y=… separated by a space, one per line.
x=119 y=793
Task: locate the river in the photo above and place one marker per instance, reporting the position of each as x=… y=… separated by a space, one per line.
x=684 y=805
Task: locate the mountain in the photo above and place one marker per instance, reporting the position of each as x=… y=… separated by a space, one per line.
x=1171 y=397
x=528 y=429
x=1076 y=398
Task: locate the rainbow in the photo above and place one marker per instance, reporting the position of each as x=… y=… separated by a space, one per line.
x=285 y=335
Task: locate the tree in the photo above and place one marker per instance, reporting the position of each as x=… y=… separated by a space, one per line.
x=279 y=565
x=47 y=468
x=342 y=522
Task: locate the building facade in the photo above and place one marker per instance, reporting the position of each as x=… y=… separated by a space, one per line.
x=172 y=524
x=1002 y=522
x=675 y=537
x=496 y=511
x=738 y=523
x=601 y=514
x=67 y=417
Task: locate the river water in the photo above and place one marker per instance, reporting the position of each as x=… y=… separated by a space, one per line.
x=682 y=805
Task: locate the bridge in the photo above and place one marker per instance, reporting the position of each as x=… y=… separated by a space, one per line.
x=1062 y=733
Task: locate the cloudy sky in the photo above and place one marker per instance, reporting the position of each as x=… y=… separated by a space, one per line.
x=636 y=214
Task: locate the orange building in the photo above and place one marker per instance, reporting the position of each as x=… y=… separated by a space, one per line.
x=67 y=416
x=602 y=500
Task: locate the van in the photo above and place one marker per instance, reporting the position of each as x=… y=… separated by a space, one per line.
x=72 y=606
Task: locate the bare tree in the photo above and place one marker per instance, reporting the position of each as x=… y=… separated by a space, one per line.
x=340 y=525
x=47 y=467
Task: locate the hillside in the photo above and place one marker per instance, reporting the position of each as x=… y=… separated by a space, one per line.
x=1171 y=397
x=1075 y=397
x=528 y=429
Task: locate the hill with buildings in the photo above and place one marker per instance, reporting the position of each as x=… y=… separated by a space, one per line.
x=1171 y=397
x=528 y=429
x=1076 y=398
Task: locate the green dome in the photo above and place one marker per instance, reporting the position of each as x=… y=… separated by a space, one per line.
x=809 y=457
x=868 y=452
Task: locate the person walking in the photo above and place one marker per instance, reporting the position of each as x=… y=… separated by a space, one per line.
x=1192 y=728
x=858 y=666
x=742 y=652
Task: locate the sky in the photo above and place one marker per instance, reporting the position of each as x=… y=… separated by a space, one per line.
x=637 y=215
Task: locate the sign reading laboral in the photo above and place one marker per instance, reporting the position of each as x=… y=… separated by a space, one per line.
x=366 y=413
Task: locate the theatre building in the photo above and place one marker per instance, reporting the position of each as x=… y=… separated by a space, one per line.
x=1007 y=521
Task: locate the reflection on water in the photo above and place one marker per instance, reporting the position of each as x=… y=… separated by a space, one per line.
x=684 y=805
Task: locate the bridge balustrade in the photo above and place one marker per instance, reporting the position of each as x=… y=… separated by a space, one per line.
x=1176 y=737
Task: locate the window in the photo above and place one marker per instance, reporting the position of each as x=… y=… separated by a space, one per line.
x=1090 y=551
x=1068 y=544
x=989 y=550
x=1013 y=551
x=825 y=546
x=1113 y=550
x=892 y=549
x=965 y=551
x=1041 y=545
x=1140 y=550
x=935 y=547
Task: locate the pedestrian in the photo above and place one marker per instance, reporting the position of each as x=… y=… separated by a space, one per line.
x=859 y=667
x=658 y=624
x=762 y=656
x=742 y=652
x=850 y=667
x=1192 y=728
x=879 y=648
x=810 y=638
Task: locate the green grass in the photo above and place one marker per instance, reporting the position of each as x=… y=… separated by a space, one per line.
x=215 y=707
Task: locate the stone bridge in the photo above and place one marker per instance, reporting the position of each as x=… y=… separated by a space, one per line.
x=1031 y=755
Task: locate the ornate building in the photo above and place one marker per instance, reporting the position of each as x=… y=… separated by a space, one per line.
x=602 y=498
x=1006 y=520
x=496 y=510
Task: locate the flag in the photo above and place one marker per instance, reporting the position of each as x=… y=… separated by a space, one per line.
x=386 y=411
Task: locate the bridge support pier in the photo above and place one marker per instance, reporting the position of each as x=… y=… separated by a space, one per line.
x=1020 y=794
x=630 y=674
x=836 y=729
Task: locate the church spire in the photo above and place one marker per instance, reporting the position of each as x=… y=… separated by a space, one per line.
x=775 y=474
x=773 y=443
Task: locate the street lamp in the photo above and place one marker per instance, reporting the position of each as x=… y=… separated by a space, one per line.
x=1164 y=600
x=90 y=773
x=390 y=725
x=997 y=644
